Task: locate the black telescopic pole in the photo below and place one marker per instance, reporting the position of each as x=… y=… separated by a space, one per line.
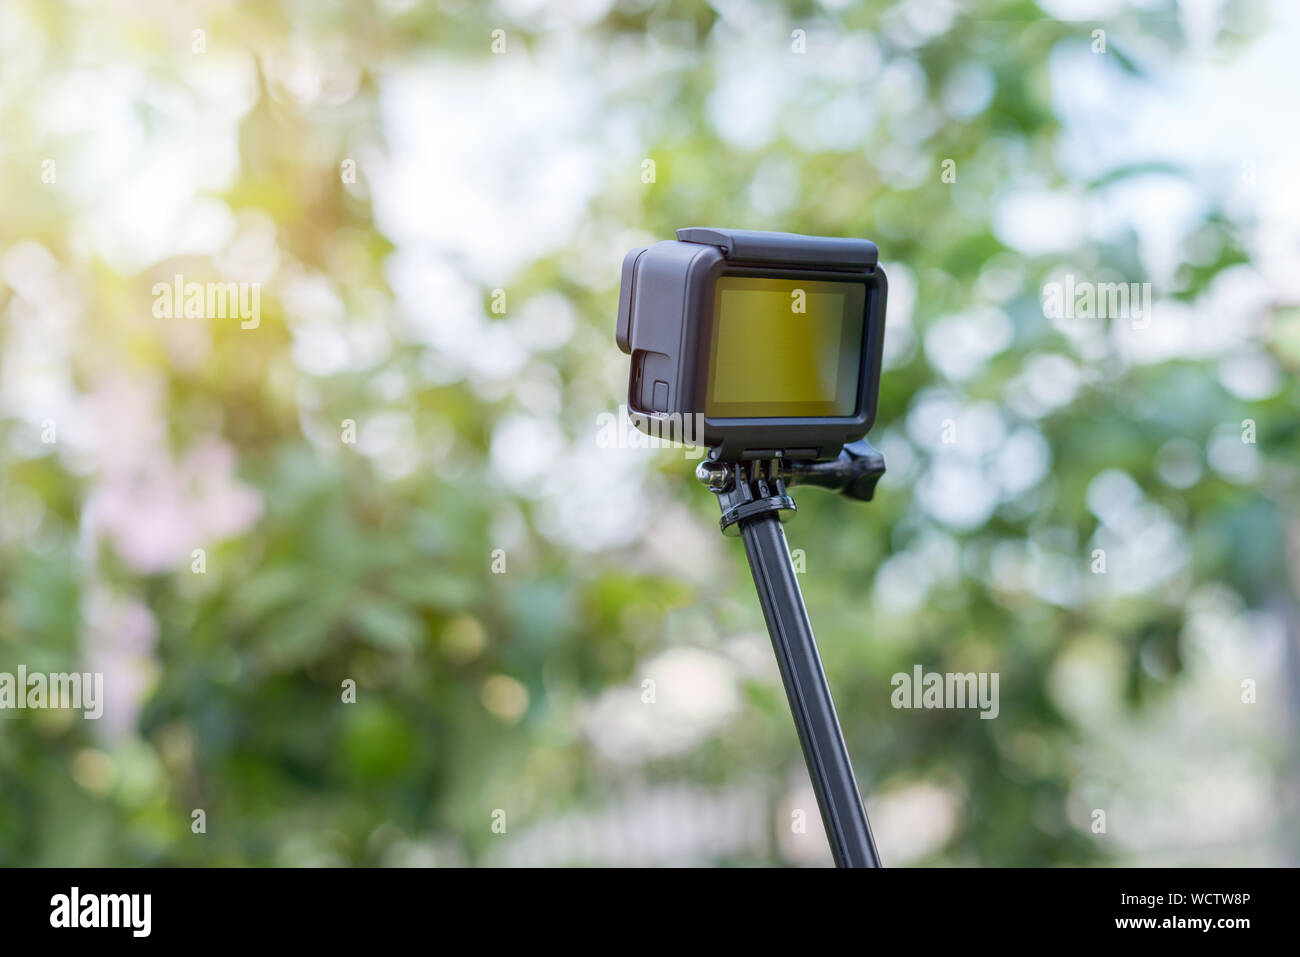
x=753 y=503
x=810 y=696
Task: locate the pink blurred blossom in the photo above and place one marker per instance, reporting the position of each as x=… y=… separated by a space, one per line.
x=152 y=510
x=118 y=639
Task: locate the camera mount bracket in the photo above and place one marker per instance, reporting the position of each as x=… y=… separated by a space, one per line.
x=755 y=501
x=745 y=489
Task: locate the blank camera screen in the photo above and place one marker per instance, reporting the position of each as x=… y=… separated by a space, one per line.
x=785 y=348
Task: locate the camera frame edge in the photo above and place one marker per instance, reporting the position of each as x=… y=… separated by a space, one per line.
x=665 y=323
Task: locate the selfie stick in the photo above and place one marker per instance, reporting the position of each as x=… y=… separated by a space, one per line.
x=754 y=503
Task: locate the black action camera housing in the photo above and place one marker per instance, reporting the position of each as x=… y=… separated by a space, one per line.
x=670 y=321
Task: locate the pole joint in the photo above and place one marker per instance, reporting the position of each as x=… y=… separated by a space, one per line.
x=746 y=490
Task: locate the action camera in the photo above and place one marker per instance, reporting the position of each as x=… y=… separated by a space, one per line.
x=765 y=348
x=757 y=345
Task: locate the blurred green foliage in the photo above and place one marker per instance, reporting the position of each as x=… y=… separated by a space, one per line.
x=473 y=688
